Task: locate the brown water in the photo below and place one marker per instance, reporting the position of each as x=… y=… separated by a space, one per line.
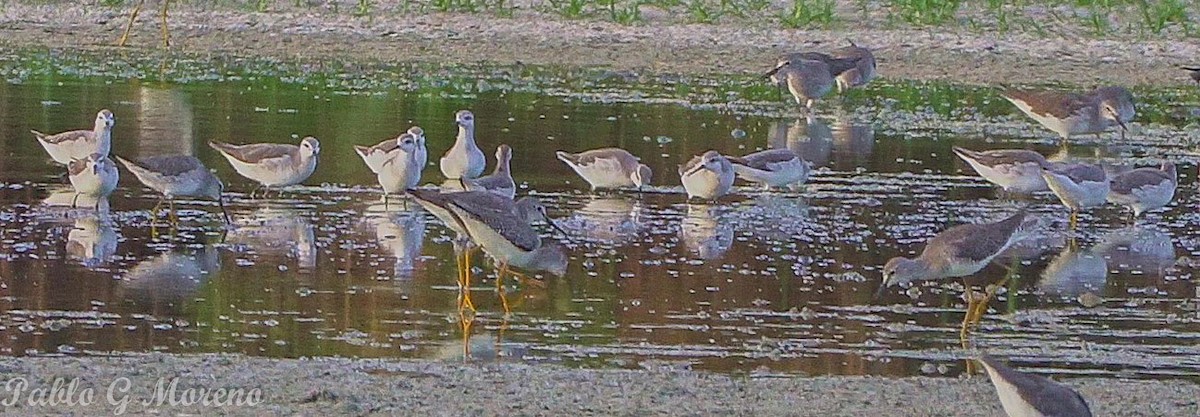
x=760 y=283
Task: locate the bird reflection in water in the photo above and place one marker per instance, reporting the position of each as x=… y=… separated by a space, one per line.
x=810 y=138
x=613 y=220
x=92 y=240
x=277 y=232
x=402 y=237
x=705 y=233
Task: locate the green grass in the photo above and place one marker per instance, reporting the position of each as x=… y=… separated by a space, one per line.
x=570 y=9
x=700 y=12
x=1159 y=14
x=925 y=12
x=809 y=13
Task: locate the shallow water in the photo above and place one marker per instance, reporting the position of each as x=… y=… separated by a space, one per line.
x=761 y=283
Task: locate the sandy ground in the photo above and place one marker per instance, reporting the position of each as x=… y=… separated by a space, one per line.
x=343 y=386
x=360 y=387
x=314 y=33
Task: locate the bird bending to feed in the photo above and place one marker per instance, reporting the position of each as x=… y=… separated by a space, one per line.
x=80 y=144
x=851 y=66
x=394 y=162
x=1076 y=114
x=708 y=176
x=177 y=176
x=1014 y=170
x=500 y=182
x=1193 y=72
x=464 y=160
x=1029 y=395
x=1145 y=189
x=1078 y=186
x=272 y=164
x=772 y=168
x=807 y=80
x=608 y=168
x=96 y=176
x=958 y=251
x=499 y=226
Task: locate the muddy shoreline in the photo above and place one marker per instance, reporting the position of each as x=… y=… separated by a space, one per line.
x=313 y=35
x=407 y=387
x=426 y=387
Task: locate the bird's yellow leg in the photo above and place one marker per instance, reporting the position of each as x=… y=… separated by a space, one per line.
x=1074 y=220
x=174 y=215
x=465 y=322
x=166 y=33
x=500 y=289
x=132 y=17
x=466 y=281
x=963 y=332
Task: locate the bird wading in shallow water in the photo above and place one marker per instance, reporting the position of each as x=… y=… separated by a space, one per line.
x=272 y=164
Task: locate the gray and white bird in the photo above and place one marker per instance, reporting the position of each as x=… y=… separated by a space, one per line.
x=1069 y=114
x=1078 y=186
x=422 y=157
x=959 y=251
x=1014 y=170
x=1145 y=189
x=95 y=176
x=394 y=163
x=608 y=168
x=177 y=176
x=464 y=160
x=772 y=168
x=1028 y=395
x=708 y=176
x=499 y=226
x=80 y=144
x=807 y=80
x=851 y=66
x=272 y=164
x=500 y=181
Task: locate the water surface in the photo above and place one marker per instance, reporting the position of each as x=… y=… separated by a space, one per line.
x=762 y=283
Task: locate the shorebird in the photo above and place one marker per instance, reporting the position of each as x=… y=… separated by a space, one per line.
x=1193 y=72
x=959 y=251
x=851 y=66
x=272 y=164
x=500 y=227
x=863 y=70
x=807 y=80
x=1028 y=395
x=96 y=176
x=422 y=157
x=177 y=176
x=394 y=162
x=608 y=168
x=528 y=209
x=1144 y=189
x=80 y=144
x=464 y=160
x=1014 y=170
x=500 y=182
x=166 y=34
x=708 y=176
x=772 y=168
x=1076 y=114
x=1078 y=186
